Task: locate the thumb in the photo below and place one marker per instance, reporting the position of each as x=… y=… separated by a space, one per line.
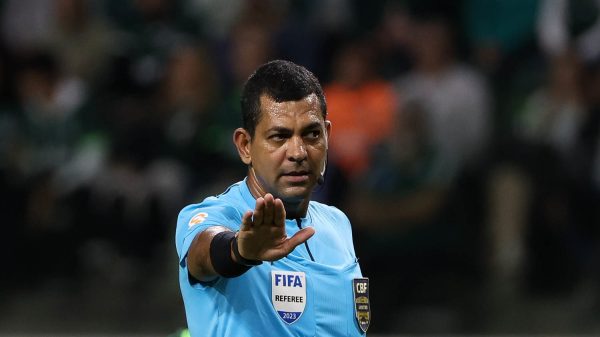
x=299 y=238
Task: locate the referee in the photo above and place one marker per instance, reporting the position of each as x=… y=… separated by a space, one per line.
x=262 y=259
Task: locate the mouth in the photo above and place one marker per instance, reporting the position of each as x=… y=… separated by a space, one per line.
x=296 y=176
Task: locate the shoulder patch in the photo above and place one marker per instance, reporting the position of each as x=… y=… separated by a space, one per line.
x=197 y=219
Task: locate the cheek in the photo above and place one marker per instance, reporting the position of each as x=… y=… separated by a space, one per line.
x=317 y=151
x=268 y=160
x=276 y=158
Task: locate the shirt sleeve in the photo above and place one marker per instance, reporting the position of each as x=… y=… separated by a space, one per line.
x=195 y=218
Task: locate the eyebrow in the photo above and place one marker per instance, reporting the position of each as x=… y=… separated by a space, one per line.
x=278 y=129
x=281 y=129
x=313 y=125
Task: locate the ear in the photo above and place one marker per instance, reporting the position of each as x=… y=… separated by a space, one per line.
x=327 y=132
x=243 y=143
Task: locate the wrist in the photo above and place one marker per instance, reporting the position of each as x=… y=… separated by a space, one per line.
x=238 y=258
x=222 y=256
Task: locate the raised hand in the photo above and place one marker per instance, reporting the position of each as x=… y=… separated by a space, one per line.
x=262 y=234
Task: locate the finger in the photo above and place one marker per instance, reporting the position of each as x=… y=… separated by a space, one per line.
x=259 y=211
x=247 y=221
x=299 y=238
x=268 y=214
x=278 y=213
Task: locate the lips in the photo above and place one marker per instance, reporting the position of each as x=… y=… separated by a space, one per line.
x=296 y=173
x=296 y=176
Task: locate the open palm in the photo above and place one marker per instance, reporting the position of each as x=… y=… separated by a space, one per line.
x=262 y=235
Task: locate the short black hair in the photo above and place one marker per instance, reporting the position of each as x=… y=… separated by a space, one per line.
x=282 y=81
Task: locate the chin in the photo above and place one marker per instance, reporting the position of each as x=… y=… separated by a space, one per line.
x=295 y=194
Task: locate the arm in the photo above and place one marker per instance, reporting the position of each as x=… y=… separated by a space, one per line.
x=198 y=259
x=261 y=237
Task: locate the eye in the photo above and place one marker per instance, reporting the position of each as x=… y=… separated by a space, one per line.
x=278 y=137
x=314 y=134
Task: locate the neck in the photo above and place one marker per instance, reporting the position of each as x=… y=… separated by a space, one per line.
x=293 y=208
x=296 y=210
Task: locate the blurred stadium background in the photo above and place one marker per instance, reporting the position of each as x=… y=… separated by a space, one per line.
x=465 y=149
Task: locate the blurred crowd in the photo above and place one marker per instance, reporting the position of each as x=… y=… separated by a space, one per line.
x=465 y=144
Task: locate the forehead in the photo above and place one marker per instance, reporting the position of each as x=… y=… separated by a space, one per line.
x=304 y=111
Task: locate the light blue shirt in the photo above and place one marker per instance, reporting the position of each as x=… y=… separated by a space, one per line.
x=244 y=306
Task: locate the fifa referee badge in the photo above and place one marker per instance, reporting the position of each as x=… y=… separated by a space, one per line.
x=288 y=294
x=362 y=307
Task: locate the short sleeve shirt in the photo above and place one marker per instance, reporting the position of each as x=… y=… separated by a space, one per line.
x=307 y=293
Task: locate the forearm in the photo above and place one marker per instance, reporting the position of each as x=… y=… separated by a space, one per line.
x=199 y=260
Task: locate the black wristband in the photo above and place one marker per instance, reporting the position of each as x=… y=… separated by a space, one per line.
x=220 y=256
x=240 y=258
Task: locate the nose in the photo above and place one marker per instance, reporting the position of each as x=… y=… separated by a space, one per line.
x=296 y=149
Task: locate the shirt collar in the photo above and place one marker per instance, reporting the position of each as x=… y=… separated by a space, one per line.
x=247 y=195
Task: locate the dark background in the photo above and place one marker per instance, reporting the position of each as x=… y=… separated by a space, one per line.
x=471 y=169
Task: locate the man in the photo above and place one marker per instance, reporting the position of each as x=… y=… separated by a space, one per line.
x=262 y=259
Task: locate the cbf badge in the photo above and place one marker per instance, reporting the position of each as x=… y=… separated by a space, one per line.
x=288 y=294
x=362 y=307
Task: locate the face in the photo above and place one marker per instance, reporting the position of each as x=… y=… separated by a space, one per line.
x=288 y=150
